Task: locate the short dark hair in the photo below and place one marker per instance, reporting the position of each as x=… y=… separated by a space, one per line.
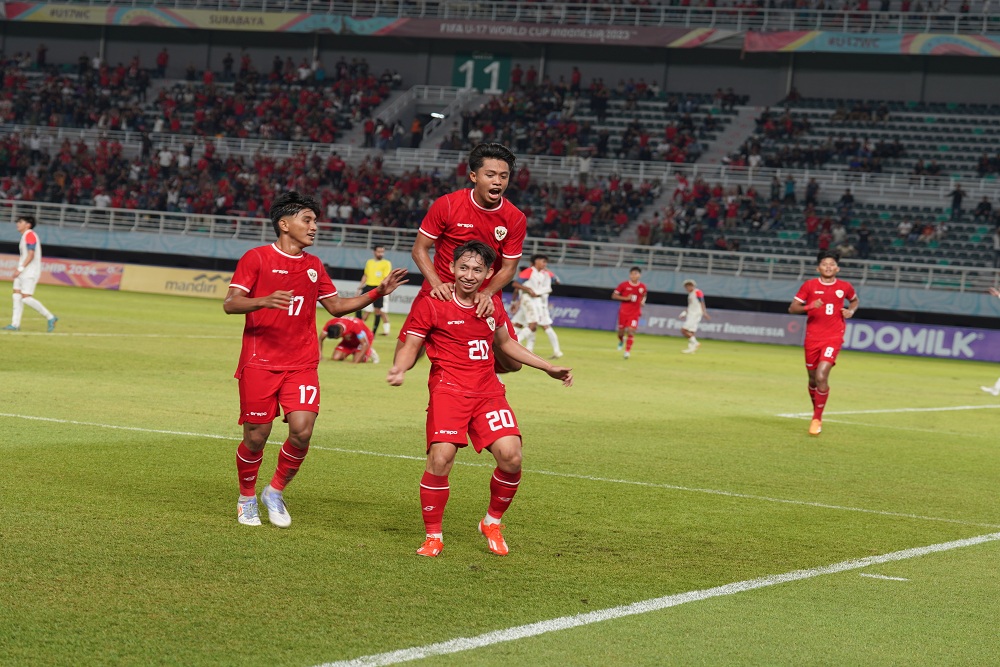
x=635 y=268
x=378 y=245
x=487 y=253
x=538 y=256
x=290 y=203
x=491 y=151
x=332 y=328
x=30 y=219
x=825 y=254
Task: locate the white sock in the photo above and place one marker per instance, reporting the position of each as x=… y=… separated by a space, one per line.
x=439 y=536
x=997 y=386
x=37 y=305
x=529 y=341
x=491 y=521
x=385 y=328
x=15 y=319
x=692 y=342
x=553 y=339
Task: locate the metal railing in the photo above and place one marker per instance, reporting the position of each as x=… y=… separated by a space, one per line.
x=738 y=19
x=569 y=253
x=546 y=168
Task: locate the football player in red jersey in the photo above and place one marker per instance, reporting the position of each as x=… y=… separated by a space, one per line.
x=822 y=299
x=277 y=286
x=467 y=400
x=358 y=340
x=632 y=295
x=478 y=214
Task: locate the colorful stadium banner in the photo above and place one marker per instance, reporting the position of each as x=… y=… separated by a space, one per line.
x=679 y=38
x=70 y=272
x=922 y=44
x=751 y=327
x=178 y=282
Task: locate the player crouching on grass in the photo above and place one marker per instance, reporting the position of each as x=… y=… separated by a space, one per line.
x=467 y=399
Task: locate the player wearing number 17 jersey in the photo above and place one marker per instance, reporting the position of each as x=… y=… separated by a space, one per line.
x=822 y=299
x=467 y=399
x=277 y=287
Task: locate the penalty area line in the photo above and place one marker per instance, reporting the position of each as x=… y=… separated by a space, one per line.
x=644 y=607
x=801 y=415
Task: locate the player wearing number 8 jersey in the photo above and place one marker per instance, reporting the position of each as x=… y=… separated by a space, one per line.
x=467 y=399
x=822 y=299
x=277 y=287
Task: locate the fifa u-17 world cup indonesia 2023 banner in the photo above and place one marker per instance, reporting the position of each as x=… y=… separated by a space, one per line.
x=751 y=327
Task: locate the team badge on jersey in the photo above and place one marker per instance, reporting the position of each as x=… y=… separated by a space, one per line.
x=491 y=323
x=313 y=276
x=500 y=233
x=839 y=293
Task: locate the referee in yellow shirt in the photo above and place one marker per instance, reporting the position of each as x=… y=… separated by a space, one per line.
x=376 y=269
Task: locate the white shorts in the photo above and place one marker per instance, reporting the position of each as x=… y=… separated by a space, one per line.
x=691 y=322
x=536 y=310
x=26 y=282
x=518 y=319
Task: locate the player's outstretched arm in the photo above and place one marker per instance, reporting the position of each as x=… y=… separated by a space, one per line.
x=405 y=357
x=237 y=301
x=518 y=352
x=338 y=305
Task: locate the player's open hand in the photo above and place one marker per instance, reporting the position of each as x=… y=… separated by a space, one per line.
x=443 y=292
x=280 y=299
x=395 y=376
x=484 y=304
x=561 y=373
x=395 y=278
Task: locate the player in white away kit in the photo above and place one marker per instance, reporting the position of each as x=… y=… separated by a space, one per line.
x=692 y=316
x=27 y=275
x=535 y=284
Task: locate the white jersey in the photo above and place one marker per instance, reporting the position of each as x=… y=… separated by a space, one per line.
x=539 y=282
x=29 y=241
x=694 y=302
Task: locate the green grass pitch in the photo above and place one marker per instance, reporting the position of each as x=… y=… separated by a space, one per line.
x=652 y=477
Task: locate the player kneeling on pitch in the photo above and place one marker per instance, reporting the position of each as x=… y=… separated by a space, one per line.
x=467 y=400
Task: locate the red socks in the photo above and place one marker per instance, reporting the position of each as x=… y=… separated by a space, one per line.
x=628 y=343
x=247 y=465
x=434 y=492
x=819 y=402
x=289 y=460
x=503 y=486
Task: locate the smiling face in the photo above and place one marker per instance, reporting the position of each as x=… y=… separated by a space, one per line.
x=489 y=182
x=300 y=228
x=470 y=273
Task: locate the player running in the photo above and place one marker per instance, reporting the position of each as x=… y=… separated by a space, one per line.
x=822 y=299
x=632 y=295
x=534 y=285
x=692 y=316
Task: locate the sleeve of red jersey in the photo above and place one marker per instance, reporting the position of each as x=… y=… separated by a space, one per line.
x=618 y=290
x=437 y=215
x=30 y=239
x=802 y=296
x=513 y=244
x=421 y=319
x=504 y=321
x=698 y=293
x=326 y=287
x=849 y=292
x=247 y=270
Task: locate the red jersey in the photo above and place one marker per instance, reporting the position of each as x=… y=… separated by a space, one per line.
x=459 y=346
x=631 y=309
x=273 y=339
x=827 y=322
x=456 y=218
x=354 y=329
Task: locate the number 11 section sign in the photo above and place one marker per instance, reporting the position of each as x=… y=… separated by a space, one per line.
x=488 y=72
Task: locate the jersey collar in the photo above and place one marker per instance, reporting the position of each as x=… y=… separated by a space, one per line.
x=472 y=198
x=285 y=254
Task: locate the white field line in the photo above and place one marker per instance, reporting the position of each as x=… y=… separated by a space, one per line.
x=882 y=576
x=798 y=415
x=933 y=431
x=589 y=478
x=644 y=607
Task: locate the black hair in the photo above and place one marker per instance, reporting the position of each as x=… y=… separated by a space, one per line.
x=378 y=245
x=30 y=219
x=635 y=268
x=477 y=248
x=824 y=254
x=330 y=330
x=290 y=203
x=538 y=256
x=492 y=151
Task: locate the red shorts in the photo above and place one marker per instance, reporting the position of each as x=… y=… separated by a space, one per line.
x=458 y=419
x=822 y=351
x=627 y=321
x=262 y=391
x=348 y=350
